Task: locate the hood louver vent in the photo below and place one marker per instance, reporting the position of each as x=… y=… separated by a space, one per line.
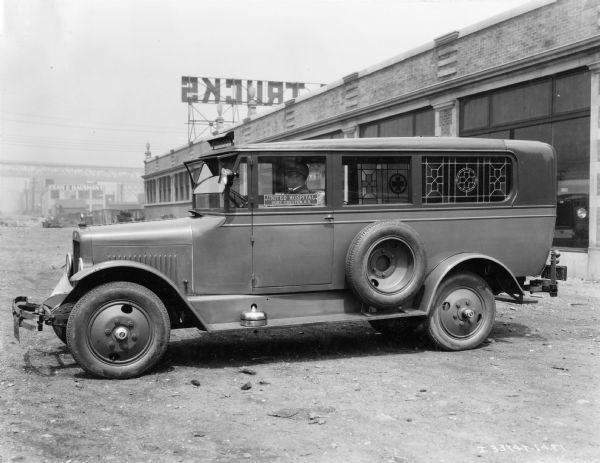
x=165 y=263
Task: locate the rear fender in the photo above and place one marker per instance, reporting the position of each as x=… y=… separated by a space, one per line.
x=497 y=275
x=174 y=299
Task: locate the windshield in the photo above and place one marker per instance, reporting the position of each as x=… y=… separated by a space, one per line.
x=219 y=185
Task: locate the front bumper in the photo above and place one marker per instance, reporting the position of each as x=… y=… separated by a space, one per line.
x=33 y=317
x=29 y=316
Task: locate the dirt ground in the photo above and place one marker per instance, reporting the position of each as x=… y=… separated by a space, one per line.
x=318 y=394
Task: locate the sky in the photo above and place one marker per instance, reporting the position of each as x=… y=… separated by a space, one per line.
x=90 y=82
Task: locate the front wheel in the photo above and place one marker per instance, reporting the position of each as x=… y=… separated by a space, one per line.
x=61 y=315
x=61 y=333
x=118 y=330
x=463 y=313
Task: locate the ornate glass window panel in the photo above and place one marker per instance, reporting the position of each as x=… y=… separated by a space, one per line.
x=460 y=179
x=376 y=180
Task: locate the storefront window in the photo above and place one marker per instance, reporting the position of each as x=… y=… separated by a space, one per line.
x=500 y=135
x=369 y=131
x=328 y=136
x=572 y=93
x=539 y=132
x=424 y=124
x=475 y=113
x=571 y=141
x=397 y=127
x=164 y=189
x=150 y=191
x=521 y=103
x=419 y=123
x=554 y=110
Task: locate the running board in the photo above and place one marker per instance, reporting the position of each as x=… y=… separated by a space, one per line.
x=314 y=320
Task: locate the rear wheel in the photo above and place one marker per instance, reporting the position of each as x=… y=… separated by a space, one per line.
x=118 y=330
x=463 y=313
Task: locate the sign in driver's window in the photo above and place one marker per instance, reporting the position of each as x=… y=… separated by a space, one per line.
x=291 y=181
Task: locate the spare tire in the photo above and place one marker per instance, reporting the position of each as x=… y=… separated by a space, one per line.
x=386 y=263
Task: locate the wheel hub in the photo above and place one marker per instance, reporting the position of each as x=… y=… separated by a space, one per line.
x=462 y=312
x=120 y=332
x=382 y=263
x=466 y=314
x=389 y=266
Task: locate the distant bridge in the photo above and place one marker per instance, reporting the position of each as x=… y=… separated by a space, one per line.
x=74 y=172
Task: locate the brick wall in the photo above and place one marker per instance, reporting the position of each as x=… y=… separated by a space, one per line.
x=445 y=122
x=554 y=25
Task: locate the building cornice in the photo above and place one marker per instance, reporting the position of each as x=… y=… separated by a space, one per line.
x=167 y=170
x=451 y=37
x=569 y=52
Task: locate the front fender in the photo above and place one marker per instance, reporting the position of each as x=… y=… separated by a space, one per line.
x=67 y=286
x=125 y=265
x=490 y=269
x=110 y=264
x=137 y=272
x=60 y=292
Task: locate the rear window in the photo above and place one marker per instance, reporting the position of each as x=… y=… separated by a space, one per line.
x=466 y=179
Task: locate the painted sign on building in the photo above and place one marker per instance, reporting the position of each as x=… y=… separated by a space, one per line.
x=74 y=187
x=239 y=91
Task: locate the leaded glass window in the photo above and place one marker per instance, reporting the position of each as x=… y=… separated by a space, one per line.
x=376 y=179
x=459 y=179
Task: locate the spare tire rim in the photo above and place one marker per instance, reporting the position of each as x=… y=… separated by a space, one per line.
x=120 y=332
x=462 y=313
x=390 y=265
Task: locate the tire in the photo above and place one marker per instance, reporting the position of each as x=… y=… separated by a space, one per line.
x=61 y=333
x=62 y=312
x=404 y=328
x=118 y=330
x=463 y=313
x=385 y=264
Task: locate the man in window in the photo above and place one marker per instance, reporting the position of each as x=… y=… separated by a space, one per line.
x=296 y=174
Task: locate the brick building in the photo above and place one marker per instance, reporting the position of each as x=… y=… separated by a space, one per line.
x=530 y=73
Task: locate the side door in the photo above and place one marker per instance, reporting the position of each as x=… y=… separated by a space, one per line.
x=221 y=257
x=292 y=223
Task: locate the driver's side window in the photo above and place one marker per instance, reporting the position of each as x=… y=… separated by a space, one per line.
x=291 y=181
x=238 y=191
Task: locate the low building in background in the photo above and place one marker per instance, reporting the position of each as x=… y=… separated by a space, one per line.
x=530 y=73
x=63 y=192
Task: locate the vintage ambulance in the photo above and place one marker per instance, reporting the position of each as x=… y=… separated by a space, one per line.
x=389 y=230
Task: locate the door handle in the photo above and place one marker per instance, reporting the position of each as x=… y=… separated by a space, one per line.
x=328 y=217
